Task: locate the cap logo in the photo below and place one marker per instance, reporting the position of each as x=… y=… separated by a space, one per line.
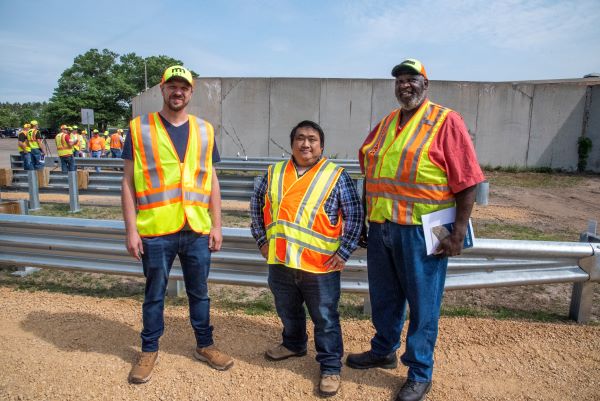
x=409 y=62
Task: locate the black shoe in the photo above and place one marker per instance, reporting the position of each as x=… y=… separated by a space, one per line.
x=367 y=360
x=413 y=391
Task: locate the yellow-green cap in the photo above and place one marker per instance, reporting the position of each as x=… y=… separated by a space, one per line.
x=177 y=71
x=411 y=65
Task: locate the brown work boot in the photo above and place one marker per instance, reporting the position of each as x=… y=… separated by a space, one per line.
x=280 y=353
x=329 y=385
x=141 y=372
x=215 y=358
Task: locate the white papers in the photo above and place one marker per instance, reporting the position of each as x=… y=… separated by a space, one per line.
x=438 y=225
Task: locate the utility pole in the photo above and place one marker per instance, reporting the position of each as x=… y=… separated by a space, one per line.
x=145 y=74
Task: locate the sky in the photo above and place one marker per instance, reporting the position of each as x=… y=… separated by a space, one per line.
x=458 y=40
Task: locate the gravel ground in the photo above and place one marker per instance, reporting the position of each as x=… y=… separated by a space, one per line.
x=65 y=347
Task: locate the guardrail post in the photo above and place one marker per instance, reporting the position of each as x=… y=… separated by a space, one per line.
x=175 y=288
x=582 y=294
x=73 y=192
x=34 y=192
x=482 y=193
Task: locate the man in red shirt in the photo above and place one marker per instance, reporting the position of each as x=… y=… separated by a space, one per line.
x=418 y=160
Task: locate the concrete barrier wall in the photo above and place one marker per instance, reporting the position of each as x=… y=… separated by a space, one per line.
x=524 y=124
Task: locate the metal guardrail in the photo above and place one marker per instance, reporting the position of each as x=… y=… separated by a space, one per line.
x=98 y=246
x=237 y=182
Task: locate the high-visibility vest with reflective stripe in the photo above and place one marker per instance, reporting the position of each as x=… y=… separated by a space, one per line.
x=63 y=147
x=402 y=183
x=31 y=134
x=81 y=142
x=106 y=143
x=170 y=192
x=299 y=232
x=77 y=143
x=25 y=148
x=115 y=141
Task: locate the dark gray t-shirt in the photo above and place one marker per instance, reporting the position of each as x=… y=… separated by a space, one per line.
x=179 y=136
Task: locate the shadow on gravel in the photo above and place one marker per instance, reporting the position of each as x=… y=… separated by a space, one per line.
x=245 y=339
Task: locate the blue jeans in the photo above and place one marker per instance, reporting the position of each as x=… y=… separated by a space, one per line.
x=97 y=154
x=36 y=157
x=116 y=153
x=67 y=163
x=194 y=255
x=399 y=273
x=321 y=293
x=27 y=163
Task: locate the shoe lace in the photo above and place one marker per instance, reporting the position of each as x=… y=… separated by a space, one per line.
x=332 y=377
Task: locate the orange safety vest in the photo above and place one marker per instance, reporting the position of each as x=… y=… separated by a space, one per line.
x=115 y=141
x=402 y=183
x=170 y=192
x=96 y=143
x=299 y=232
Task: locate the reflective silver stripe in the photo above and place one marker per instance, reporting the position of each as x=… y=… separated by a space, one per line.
x=160 y=196
x=395 y=206
x=282 y=169
x=308 y=193
x=202 y=135
x=196 y=197
x=409 y=211
x=412 y=138
x=397 y=183
x=302 y=244
x=411 y=199
x=413 y=168
x=313 y=213
x=147 y=144
x=307 y=231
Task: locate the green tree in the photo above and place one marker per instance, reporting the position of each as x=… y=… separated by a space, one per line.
x=105 y=82
x=16 y=114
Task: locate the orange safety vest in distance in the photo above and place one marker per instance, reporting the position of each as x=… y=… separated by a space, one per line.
x=115 y=141
x=63 y=147
x=299 y=232
x=96 y=143
x=170 y=192
x=402 y=183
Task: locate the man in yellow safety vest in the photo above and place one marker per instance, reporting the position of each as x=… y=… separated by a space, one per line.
x=64 y=146
x=419 y=159
x=25 y=147
x=171 y=204
x=307 y=220
x=35 y=143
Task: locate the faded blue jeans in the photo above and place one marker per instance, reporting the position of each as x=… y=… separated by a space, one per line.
x=67 y=163
x=157 y=260
x=27 y=162
x=399 y=273
x=292 y=288
x=36 y=158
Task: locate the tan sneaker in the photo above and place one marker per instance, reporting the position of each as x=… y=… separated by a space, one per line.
x=141 y=372
x=329 y=385
x=280 y=353
x=215 y=358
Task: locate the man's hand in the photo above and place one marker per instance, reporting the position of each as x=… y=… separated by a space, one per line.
x=264 y=251
x=452 y=245
x=334 y=263
x=134 y=245
x=215 y=239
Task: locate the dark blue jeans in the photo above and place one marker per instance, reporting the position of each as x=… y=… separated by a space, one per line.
x=116 y=153
x=27 y=162
x=158 y=257
x=67 y=163
x=36 y=158
x=399 y=273
x=292 y=288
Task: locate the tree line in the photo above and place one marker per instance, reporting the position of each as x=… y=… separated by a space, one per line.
x=100 y=80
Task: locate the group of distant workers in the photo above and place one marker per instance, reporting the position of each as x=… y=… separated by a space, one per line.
x=71 y=142
x=307 y=218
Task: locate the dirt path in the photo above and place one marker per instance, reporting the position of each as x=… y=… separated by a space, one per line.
x=64 y=347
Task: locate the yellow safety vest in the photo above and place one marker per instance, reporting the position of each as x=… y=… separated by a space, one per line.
x=31 y=135
x=106 y=143
x=82 y=142
x=170 y=192
x=63 y=147
x=402 y=183
x=26 y=148
x=298 y=229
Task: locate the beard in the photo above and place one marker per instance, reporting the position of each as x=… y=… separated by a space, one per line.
x=170 y=103
x=413 y=102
